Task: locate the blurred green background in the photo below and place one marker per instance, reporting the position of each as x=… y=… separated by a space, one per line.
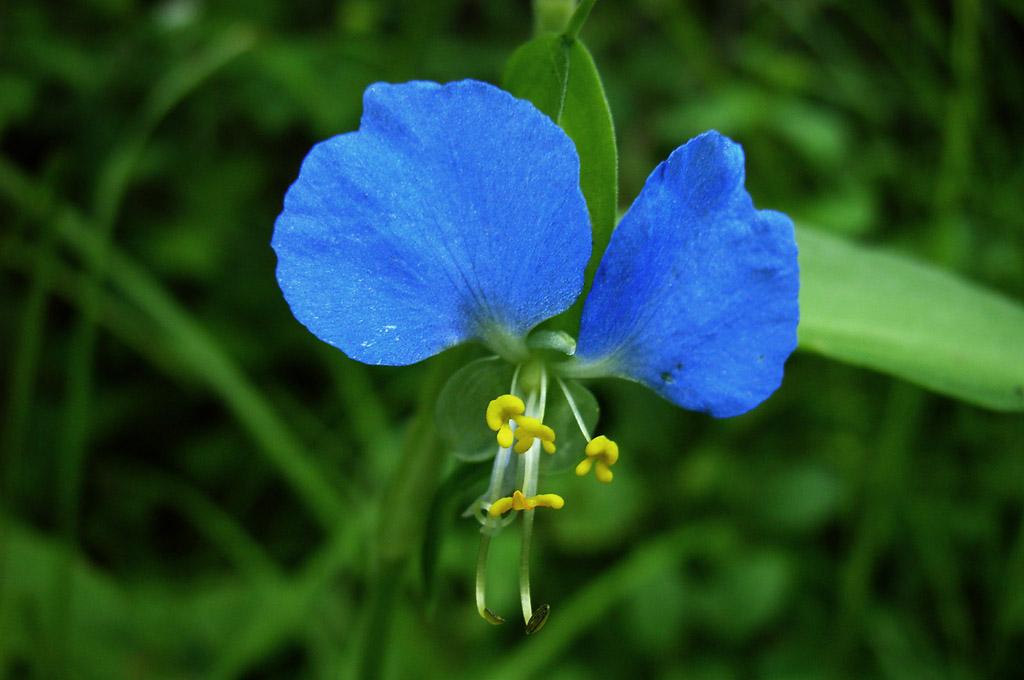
x=193 y=486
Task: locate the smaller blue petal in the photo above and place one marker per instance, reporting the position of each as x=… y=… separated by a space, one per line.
x=696 y=296
x=453 y=213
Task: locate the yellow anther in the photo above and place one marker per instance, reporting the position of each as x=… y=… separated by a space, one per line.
x=529 y=429
x=499 y=412
x=518 y=502
x=545 y=500
x=501 y=506
x=602 y=453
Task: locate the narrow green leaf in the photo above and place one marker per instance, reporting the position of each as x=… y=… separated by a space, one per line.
x=587 y=119
x=538 y=71
x=559 y=76
x=916 y=322
x=197 y=350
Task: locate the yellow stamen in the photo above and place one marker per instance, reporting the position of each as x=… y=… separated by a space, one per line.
x=499 y=412
x=529 y=429
x=501 y=506
x=602 y=453
x=518 y=502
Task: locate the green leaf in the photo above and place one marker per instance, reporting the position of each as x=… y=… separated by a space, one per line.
x=559 y=76
x=538 y=71
x=587 y=119
x=927 y=326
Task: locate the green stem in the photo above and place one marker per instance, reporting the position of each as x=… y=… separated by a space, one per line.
x=552 y=16
x=481 y=582
x=535 y=408
x=575 y=409
x=27 y=349
x=579 y=17
x=525 y=598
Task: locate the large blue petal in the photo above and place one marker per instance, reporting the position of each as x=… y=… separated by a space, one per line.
x=696 y=295
x=453 y=211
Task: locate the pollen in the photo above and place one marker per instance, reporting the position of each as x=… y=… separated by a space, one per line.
x=499 y=412
x=518 y=502
x=529 y=429
x=602 y=453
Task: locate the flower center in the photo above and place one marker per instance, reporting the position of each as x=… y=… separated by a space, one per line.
x=519 y=426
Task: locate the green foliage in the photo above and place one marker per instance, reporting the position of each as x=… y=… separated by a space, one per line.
x=252 y=504
x=556 y=72
x=587 y=119
x=920 y=323
x=539 y=72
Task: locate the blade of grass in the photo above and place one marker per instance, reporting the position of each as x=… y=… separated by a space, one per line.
x=121 y=321
x=283 y=609
x=111 y=187
x=281 y=605
x=25 y=357
x=196 y=349
x=27 y=347
x=110 y=190
x=885 y=473
x=128 y=326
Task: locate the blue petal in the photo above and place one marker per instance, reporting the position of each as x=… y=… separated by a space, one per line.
x=453 y=211
x=696 y=295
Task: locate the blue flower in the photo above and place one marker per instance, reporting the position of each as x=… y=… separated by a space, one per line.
x=454 y=214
